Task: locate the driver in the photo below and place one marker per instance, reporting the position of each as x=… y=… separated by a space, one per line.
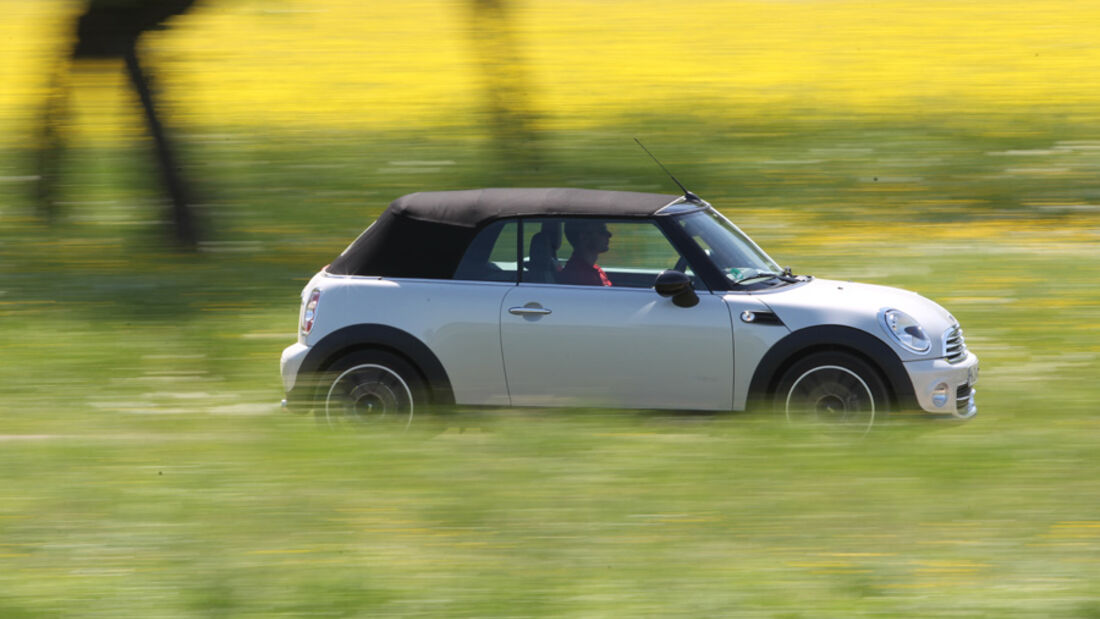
x=589 y=239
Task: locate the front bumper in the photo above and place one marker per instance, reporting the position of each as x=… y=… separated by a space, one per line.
x=934 y=378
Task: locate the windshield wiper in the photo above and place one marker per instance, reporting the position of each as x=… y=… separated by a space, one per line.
x=746 y=278
x=785 y=276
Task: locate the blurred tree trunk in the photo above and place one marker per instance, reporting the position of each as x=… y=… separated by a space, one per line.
x=111 y=29
x=183 y=219
x=50 y=148
x=505 y=83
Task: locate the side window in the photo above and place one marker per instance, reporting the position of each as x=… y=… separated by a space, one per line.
x=491 y=256
x=595 y=252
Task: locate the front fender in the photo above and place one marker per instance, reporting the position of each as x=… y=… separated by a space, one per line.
x=831 y=337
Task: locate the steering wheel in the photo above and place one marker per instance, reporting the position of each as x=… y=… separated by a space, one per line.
x=681 y=265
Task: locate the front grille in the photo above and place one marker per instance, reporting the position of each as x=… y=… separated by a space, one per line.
x=962 y=398
x=954 y=345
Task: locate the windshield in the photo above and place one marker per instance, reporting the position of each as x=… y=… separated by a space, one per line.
x=731 y=251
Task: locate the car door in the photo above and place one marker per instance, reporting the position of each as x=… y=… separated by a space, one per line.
x=621 y=345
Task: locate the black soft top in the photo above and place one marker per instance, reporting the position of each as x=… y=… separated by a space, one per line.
x=425 y=234
x=473 y=207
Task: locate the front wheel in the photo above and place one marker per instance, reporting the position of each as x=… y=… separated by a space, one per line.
x=372 y=388
x=833 y=388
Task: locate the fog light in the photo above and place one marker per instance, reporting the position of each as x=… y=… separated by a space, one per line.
x=940 y=394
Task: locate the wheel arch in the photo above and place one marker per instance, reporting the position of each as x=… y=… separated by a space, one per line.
x=383 y=337
x=831 y=338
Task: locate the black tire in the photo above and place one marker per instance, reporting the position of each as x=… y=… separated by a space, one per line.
x=833 y=388
x=371 y=388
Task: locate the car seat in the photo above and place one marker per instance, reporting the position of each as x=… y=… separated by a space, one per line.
x=542 y=264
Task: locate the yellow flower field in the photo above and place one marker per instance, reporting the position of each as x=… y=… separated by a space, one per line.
x=352 y=64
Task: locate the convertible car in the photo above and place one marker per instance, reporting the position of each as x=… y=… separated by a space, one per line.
x=574 y=297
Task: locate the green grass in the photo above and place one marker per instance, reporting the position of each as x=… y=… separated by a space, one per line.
x=146 y=471
x=570 y=514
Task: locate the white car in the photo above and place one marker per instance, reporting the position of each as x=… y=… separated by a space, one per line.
x=574 y=297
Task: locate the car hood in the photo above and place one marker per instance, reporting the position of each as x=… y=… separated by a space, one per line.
x=825 y=301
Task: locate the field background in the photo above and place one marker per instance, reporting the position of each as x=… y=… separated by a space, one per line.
x=948 y=148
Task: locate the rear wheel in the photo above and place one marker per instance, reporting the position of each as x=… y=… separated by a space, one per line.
x=835 y=389
x=371 y=388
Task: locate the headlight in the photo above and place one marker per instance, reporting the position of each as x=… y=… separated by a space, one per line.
x=905 y=330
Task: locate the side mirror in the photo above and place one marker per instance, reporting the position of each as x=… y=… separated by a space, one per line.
x=678 y=286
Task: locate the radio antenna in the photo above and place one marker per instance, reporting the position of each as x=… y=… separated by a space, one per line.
x=687 y=194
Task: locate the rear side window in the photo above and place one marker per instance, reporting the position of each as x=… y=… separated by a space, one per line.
x=491 y=256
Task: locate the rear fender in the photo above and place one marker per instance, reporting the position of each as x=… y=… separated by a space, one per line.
x=358 y=337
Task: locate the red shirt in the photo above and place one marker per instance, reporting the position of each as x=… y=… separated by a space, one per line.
x=577 y=272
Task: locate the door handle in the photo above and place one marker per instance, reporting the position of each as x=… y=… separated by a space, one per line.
x=528 y=311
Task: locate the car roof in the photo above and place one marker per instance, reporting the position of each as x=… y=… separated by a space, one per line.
x=425 y=234
x=473 y=207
